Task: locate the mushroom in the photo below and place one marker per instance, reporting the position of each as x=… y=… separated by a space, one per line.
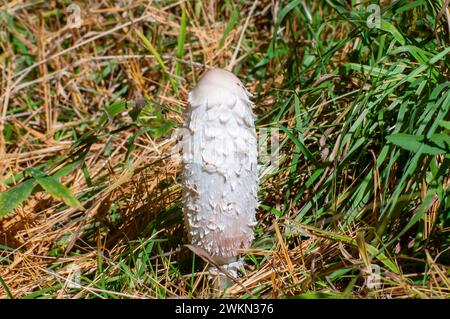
x=220 y=177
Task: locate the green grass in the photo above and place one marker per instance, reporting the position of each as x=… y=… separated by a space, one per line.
x=363 y=182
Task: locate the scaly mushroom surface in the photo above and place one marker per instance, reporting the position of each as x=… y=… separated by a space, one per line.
x=220 y=177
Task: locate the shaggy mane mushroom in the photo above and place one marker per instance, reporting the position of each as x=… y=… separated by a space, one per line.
x=220 y=177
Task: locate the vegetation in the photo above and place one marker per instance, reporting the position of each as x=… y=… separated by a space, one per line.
x=358 y=206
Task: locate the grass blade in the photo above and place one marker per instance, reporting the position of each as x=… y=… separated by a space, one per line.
x=57 y=190
x=158 y=58
x=15 y=196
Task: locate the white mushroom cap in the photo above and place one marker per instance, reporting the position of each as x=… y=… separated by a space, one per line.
x=218 y=83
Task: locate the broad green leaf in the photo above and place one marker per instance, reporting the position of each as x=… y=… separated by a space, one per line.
x=15 y=196
x=115 y=108
x=112 y=110
x=396 y=72
x=438 y=144
x=57 y=190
